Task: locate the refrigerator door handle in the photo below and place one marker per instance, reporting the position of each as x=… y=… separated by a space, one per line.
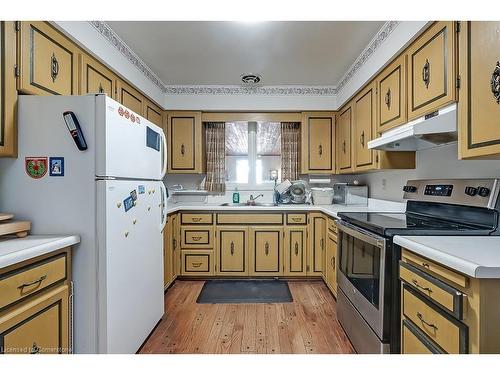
x=164 y=156
x=163 y=205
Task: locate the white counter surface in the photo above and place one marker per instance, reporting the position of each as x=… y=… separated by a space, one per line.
x=14 y=250
x=477 y=257
x=374 y=205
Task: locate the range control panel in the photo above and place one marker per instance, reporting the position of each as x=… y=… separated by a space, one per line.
x=466 y=192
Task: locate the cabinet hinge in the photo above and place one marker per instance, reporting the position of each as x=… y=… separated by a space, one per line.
x=458 y=25
x=16 y=71
x=459 y=81
x=18 y=25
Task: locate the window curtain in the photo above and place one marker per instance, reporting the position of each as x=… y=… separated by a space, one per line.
x=290 y=150
x=216 y=157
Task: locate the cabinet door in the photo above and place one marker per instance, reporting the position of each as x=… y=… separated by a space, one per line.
x=168 y=258
x=176 y=248
x=364 y=128
x=431 y=70
x=232 y=251
x=479 y=94
x=295 y=250
x=344 y=129
x=317 y=142
x=184 y=132
x=130 y=98
x=391 y=98
x=266 y=250
x=49 y=61
x=8 y=91
x=95 y=78
x=317 y=235
x=331 y=262
x=40 y=325
x=153 y=113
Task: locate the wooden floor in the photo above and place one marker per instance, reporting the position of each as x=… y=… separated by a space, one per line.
x=307 y=325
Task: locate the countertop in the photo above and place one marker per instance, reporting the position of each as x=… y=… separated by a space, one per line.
x=374 y=205
x=14 y=250
x=477 y=257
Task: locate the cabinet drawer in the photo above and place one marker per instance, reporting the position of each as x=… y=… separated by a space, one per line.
x=40 y=326
x=250 y=218
x=431 y=70
x=447 y=332
x=391 y=100
x=296 y=219
x=444 y=295
x=332 y=227
x=196 y=218
x=49 y=63
x=414 y=341
x=21 y=283
x=197 y=263
x=445 y=273
x=197 y=237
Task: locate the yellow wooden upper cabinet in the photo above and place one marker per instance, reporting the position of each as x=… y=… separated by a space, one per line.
x=479 y=94
x=95 y=78
x=48 y=61
x=318 y=154
x=153 y=113
x=343 y=139
x=391 y=100
x=130 y=97
x=185 y=142
x=431 y=70
x=8 y=92
x=364 y=114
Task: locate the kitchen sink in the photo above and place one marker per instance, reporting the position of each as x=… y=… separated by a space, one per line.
x=248 y=204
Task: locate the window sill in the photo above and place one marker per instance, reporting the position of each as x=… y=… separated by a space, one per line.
x=265 y=186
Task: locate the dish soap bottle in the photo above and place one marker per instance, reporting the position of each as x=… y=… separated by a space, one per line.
x=236 y=196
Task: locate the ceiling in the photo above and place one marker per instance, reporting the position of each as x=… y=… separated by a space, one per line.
x=218 y=53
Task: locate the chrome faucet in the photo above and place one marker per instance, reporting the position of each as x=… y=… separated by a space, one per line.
x=251 y=200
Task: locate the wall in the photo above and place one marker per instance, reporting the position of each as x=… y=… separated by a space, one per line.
x=439 y=162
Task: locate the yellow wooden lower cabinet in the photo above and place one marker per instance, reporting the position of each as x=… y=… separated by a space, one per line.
x=37 y=321
x=232 y=251
x=295 y=250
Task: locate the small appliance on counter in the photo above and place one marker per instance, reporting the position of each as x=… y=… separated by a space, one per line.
x=322 y=195
x=295 y=192
x=350 y=194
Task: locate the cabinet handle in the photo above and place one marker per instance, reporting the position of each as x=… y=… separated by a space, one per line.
x=321 y=243
x=232 y=248
x=174 y=243
x=333 y=262
x=266 y=248
x=101 y=90
x=362 y=138
x=419 y=316
x=320 y=150
x=427 y=289
x=54 y=67
x=196 y=265
x=35 y=349
x=196 y=219
x=343 y=147
x=38 y=281
x=296 y=248
x=388 y=98
x=196 y=238
x=426 y=265
x=426 y=73
x=495 y=82
x=183 y=149
x=296 y=219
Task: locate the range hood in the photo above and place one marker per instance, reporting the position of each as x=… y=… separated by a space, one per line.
x=425 y=132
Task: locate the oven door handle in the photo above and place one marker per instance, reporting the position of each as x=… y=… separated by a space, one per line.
x=364 y=236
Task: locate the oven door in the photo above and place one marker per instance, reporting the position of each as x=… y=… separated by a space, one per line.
x=362 y=269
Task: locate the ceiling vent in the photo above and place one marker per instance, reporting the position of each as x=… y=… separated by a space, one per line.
x=250 y=79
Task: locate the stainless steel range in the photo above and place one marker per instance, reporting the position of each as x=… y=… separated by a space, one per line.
x=369 y=297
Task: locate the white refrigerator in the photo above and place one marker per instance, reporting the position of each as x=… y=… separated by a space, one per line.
x=111 y=194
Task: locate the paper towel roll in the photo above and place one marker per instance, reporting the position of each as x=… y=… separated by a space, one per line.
x=320 y=180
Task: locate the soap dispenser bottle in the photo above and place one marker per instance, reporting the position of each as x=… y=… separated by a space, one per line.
x=236 y=196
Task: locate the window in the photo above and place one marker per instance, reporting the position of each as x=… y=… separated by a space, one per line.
x=253 y=152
